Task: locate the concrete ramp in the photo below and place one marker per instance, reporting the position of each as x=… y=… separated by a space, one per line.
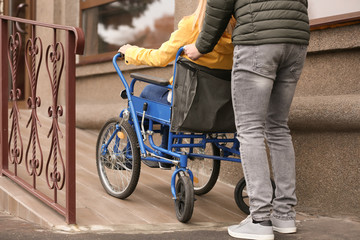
x=150 y=206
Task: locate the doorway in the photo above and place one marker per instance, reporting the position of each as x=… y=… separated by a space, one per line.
x=22 y=9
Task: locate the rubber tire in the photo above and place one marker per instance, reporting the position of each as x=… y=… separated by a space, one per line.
x=214 y=174
x=184 y=203
x=136 y=164
x=239 y=198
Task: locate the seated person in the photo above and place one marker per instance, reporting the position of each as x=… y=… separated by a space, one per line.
x=188 y=30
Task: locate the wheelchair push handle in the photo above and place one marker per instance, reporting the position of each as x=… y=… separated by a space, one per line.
x=178 y=54
x=116 y=66
x=123 y=80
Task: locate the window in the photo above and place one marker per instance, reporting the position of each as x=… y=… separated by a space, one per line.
x=1 y=7
x=317 y=8
x=336 y=13
x=110 y=24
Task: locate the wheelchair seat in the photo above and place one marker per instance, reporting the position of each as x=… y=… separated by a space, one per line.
x=150 y=79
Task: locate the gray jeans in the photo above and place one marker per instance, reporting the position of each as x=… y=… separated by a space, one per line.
x=264 y=79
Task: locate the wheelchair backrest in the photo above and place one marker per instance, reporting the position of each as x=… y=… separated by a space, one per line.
x=201 y=99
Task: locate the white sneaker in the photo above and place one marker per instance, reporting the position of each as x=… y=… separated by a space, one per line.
x=283 y=226
x=249 y=230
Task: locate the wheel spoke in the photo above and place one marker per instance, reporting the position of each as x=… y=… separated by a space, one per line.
x=116 y=167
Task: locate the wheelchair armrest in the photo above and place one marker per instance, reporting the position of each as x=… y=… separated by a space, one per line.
x=150 y=79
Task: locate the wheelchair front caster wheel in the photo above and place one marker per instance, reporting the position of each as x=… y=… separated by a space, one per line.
x=184 y=203
x=242 y=197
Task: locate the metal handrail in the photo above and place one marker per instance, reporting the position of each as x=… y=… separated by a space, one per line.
x=11 y=145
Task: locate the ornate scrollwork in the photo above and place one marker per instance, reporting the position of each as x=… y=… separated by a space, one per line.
x=35 y=164
x=15 y=140
x=55 y=178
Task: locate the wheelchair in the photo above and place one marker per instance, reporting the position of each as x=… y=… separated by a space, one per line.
x=196 y=154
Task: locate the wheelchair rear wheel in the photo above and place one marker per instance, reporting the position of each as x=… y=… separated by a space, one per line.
x=118 y=158
x=205 y=170
x=184 y=203
x=242 y=197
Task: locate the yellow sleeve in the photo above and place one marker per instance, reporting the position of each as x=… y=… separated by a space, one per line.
x=167 y=52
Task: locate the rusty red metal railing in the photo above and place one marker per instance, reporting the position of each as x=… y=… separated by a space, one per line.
x=58 y=171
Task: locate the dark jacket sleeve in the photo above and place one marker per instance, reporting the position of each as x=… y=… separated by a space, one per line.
x=217 y=16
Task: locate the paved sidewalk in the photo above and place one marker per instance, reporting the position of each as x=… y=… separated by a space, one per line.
x=310 y=228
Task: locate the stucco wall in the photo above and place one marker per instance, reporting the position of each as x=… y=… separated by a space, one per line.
x=325 y=119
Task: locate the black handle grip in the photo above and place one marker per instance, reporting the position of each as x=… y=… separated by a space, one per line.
x=145 y=106
x=123 y=94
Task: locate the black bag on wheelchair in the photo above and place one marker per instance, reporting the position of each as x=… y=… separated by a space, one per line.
x=201 y=99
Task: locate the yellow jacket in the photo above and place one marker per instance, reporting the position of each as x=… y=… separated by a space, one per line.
x=219 y=58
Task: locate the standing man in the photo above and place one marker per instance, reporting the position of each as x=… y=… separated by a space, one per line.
x=270 y=38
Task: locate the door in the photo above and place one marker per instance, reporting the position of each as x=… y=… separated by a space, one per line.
x=22 y=9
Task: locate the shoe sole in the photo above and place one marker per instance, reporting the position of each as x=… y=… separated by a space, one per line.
x=285 y=230
x=251 y=236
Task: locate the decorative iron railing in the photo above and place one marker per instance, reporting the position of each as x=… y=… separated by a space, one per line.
x=57 y=170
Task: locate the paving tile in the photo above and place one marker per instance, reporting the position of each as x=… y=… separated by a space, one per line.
x=3 y=201
x=86 y=216
x=114 y=215
x=13 y=206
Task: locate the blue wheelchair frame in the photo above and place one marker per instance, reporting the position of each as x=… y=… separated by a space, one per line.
x=157 y=113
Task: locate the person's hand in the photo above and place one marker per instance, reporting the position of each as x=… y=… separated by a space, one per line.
x=123 y=48
x=192 y=52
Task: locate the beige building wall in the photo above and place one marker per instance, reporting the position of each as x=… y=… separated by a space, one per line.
x=325 y=116
x=57 y=12
x=325 y=119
